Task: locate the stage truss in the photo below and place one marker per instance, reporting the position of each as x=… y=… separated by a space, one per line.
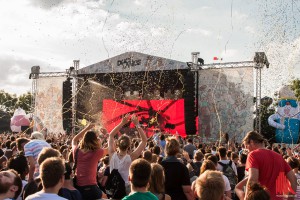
x=195 y=67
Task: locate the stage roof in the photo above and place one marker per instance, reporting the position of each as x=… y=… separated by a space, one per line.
x=133 y=62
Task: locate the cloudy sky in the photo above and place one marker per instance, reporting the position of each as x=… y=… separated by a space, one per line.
x=52 y=33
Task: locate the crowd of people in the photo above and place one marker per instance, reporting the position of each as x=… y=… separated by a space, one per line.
x=95 y=164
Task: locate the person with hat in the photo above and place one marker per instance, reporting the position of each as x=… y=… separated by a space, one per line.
x=32 y=150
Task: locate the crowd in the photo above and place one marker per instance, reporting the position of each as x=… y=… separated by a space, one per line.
x=95 y=164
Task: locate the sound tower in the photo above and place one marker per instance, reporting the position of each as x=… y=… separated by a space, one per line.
x=67 y=113
x=190 y=109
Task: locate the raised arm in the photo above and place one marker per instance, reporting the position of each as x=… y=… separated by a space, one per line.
x=111 y=148
x=77 y=137
x=103 y=131
x=137 y=152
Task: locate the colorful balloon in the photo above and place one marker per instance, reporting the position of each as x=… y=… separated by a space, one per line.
x=19 y=122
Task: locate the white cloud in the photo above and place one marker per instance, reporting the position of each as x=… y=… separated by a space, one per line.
x=250 y=29
x=52 y=34
x=239 y=16
x=229 y=54
x=205 y=8
x=200 y=31
x=160 y=31
x=140 y=3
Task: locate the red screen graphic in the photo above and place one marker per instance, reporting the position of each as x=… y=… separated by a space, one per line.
x=162 y=115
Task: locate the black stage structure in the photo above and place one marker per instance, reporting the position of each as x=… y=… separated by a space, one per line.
x=138 y=76
x=135 y=76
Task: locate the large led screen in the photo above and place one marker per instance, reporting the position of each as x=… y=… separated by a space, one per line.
x=161 y=115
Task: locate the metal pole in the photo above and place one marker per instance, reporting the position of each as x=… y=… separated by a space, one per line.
x=74 y=95
x=258 y=67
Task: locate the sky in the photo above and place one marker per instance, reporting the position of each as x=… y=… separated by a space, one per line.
x=53 y=33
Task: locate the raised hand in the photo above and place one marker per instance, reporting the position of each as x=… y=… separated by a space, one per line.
x=134 y=119
x=125 y=119
x=90 y=126
x=103 y=131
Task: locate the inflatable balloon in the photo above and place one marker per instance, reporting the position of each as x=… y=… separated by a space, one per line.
x=19 y=122
x=286 y=119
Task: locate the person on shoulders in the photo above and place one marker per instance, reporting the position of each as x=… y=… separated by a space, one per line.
x=32 y=150
x=266 y=174
x=119 y=156
x=88 y=153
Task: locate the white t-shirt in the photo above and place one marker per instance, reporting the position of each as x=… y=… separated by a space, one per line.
x=227 y=184
x=122 y=165
x=44 y=196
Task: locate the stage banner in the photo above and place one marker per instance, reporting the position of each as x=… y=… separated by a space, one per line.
x=48 y=103
x=225 y=102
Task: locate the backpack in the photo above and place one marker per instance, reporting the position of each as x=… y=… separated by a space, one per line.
x=229 y=173
x=115 y=185
x=196 y=169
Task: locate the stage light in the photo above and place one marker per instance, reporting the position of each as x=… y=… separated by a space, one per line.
x=261 y=58
x=189 y=64
x=35 y=70
x=200 y=61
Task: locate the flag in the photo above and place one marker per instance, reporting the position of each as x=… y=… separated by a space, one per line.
x=216 y=58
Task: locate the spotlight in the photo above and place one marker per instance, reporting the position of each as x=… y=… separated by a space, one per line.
x=200 y=61
x=261 y=58
x=189 y=64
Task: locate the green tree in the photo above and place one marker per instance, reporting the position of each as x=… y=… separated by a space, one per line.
x=266 y=111
x=8 y=102
x=296 y=88
x=4 y=121
x=24 y=102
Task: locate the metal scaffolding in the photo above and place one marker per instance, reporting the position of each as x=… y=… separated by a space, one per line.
x=260 y=60
x=197 y=64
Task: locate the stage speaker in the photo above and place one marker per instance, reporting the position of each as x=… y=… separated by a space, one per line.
x=67 y=113
x=190 y=109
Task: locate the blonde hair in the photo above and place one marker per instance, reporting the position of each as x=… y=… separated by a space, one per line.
x=157 y=180
x=210 y=185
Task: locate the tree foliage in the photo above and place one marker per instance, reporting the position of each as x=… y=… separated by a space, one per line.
x=296 y=88
x=10 y=102
x=266 y=111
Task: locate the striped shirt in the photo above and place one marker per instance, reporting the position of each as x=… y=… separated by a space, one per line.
x=33 y=148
